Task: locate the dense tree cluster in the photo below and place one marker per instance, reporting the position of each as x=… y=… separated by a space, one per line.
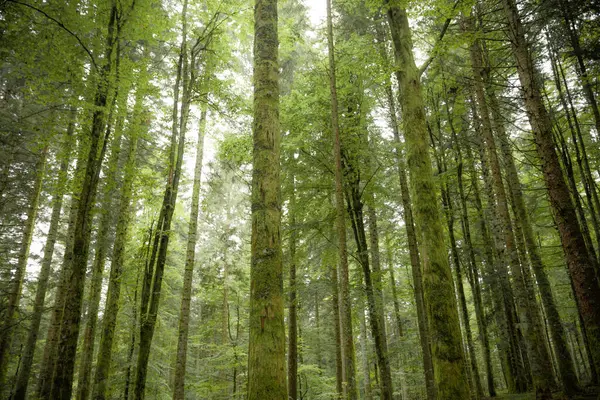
x=225 y=200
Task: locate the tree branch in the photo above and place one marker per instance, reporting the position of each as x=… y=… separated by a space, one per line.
x=60 y=24
x=429 y=60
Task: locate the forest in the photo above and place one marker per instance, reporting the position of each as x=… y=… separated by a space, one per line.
x=299 y=199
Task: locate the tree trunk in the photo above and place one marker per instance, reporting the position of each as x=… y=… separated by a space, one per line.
x=347 y=338
x=496 y=271
x=153 y=276
x=355 y=210
x=186 y=296
x=111 y=308
x=473 y=272
x=46 y=265
x=579 y=262
x=413 y=250
x=51 y=346
x=565 y=364
x=102 y=247
x=266 y=354
x=16 y=284
x=69 y=332
x=293 y=317
x=447 y=352
x=364 y=350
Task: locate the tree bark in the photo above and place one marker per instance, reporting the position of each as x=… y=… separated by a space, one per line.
x=153 y=276
x=102 y=248
x=111 y=308
x=579 y=262
x=266 y=354
x=46 y=265
x=186 y=296
x=293 y=317
x=413 y=250
x=347 y=338
x=565 y=364
x=447 y=352
x=16 y=284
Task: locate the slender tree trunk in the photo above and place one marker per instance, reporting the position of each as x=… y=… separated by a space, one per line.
x=266 y=355
x=447 y=352
x=293 y=317
x=339 y=362
x=69 y=332
x=449 y=208
x=153 y=277
x=51 y=346
x=473 y=272
x=102 y=247
x=587 y=178
x=14 y=296
x=565 y=364
x=364 y=350
x=355 y=210
x=111 y=308
x=579 y=262
x=186 y=296
x=496 y=271
x=347 y=339
x=46 y=265
x=581 y=67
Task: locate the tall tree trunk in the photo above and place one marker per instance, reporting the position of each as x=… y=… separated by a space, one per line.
x=69 y=332
x=51 y=346
x=16 y=284
x=102 y=248
x=588 y=91
x=266 y=355
x=413 y=250
x=565 y=364
x=447 y=352
x=293 y=317
x=587 y=178
x=347 y=338
x=364 y=350
x=111 y=309
x=496 y=272
x=355 y=210
x=449 y=208
x=186 y=296
x=153 y=276
x=579 y=262
x=473 y=271
x=339 y=362
x=46 y=265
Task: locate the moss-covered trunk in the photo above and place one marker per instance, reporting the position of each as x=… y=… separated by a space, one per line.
x=266 y=355
x=446 y=342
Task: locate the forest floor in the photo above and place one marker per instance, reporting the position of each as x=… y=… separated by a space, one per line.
x=588 y=395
